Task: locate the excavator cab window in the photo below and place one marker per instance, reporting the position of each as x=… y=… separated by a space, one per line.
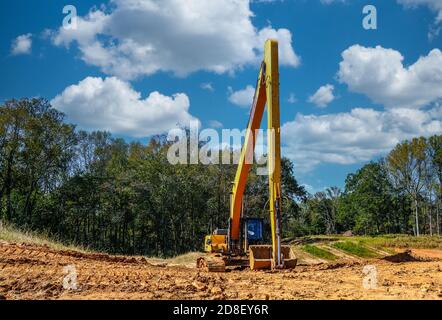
x=254 y=229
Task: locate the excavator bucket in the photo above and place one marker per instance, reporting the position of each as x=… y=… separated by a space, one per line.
x=261 y=257
x=288 y=257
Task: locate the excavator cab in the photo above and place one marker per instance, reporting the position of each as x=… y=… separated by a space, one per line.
x=253 y=230
x=260 y=255
x=217 y=242
x=250 y=253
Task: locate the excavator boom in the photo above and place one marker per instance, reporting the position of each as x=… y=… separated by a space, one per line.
x=236 y=240
x=246 y=156
x=267 y=92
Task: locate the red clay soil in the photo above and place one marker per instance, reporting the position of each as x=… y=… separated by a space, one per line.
x=37 y=272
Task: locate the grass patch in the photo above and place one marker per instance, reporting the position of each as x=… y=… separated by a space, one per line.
x=319 y=252
x=355 y=249
x=404 y=241
x=185 y=259
x=382 y=242
x=12 y=234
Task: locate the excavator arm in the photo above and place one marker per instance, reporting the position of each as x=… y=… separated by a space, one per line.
x=267 y=93
x=231 y=248
x=246 y=156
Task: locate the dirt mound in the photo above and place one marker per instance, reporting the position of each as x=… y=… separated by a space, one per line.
x=31 y=250
x=333 y=266
x=405 y=256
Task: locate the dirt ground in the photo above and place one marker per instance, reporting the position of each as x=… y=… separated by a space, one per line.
x=37 y=272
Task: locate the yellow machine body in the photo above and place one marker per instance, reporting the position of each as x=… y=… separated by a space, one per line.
x=215 y=243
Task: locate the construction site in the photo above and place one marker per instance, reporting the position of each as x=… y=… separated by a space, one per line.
x=29 y=271
x=102 y=199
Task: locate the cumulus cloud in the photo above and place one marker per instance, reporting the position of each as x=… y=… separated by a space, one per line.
x=355 y=136
x=410 y=94
x=323 y=96
x=142 y=37
x=113 y=105
x=22 y=44
x=380 y=74
x=242 y=98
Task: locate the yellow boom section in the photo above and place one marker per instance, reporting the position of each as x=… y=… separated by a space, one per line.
x=246 y=157
x=274 y=143
x=267 y=91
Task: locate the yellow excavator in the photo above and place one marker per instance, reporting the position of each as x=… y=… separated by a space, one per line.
x=240 y=246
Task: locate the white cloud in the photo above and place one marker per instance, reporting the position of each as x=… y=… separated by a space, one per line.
x=287 y=55
x=323 y=96
x=207 y=86
x=22 y=44
x=142 y=37
x=242 y=98
x=353 y=137
x=380 y=74
x=113 y=105
x=364 y=133
x=435 y=5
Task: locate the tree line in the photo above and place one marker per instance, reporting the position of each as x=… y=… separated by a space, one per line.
x=99 y=191
x=400 y=193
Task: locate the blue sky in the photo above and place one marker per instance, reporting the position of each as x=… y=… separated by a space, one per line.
x=137 y=67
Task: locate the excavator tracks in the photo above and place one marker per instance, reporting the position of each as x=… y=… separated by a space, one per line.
x=211 y=264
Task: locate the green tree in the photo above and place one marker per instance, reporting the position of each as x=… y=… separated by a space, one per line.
x=435 y=160
x=368 y=205
x=36 y=150
x=407 y=166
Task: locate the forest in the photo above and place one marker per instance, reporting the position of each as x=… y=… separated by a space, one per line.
x=101 y=192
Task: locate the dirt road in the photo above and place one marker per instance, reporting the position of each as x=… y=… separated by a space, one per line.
x=36 y=272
